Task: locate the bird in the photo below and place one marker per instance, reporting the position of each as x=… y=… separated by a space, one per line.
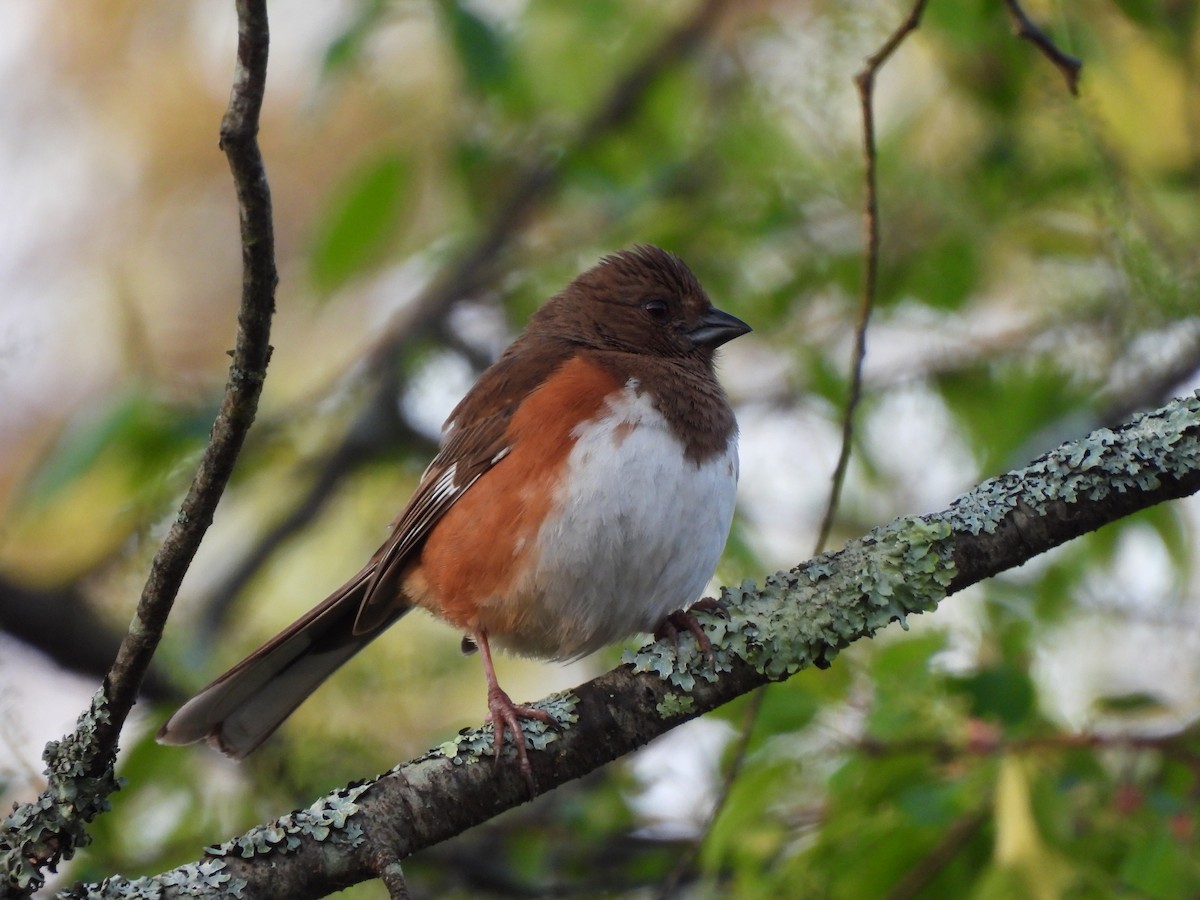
x=582 y=494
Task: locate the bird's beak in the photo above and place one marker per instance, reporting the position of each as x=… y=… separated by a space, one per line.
x=716 y=328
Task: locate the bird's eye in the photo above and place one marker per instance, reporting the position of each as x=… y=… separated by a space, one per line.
x=656 y=310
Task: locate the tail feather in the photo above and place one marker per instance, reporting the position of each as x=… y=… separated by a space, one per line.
x=243 y=707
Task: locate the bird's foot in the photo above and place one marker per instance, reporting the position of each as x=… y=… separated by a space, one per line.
x=685 y=619
x=506 y=717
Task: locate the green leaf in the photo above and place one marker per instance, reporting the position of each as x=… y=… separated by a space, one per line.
x=151 y=434
x=481 y=49
x=347 y=47
x=1156 y=868
x=1002 y=692
x=930 y=803
x=742 y=835
x=361 y=222
x=946 y=272
x=1130 y=704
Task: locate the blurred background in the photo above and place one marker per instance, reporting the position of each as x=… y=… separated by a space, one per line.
x=439 y=168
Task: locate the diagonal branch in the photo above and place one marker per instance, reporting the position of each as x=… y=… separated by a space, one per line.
x=251 y=354
x=80 y=767
x=1024 y=28
x=800 y=618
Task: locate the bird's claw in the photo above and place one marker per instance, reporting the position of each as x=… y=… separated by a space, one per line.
x=685 y=619
x=505 y=718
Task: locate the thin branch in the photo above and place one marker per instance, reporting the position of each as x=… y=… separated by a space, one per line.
x=999 y=745
x=80 y=768
x=251 y=354
x=733 y=769
x=797 y=619
x=392 y=876
x=960 y=833
x=865 y=82
x=1024 y=28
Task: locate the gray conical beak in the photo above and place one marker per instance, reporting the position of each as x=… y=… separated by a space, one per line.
x=716 y=328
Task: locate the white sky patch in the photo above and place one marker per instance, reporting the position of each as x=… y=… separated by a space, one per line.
x=787 y=457
x=435 y=389
x=914 y=441
x=1136 y=632
x=679 y=774
x=39 y=702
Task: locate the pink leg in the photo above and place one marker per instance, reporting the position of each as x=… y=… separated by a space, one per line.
x=505 y=715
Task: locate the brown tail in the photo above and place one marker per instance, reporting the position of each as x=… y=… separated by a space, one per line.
x=242 y=708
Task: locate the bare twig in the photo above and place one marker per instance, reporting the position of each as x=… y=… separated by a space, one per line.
x=251 y=354
x=957 y=836
x=80 y=768
x=737 y=761
x=392 y=876
x=865 y=82
x=1024 y=28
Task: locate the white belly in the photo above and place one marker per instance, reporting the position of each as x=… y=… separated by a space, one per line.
x=635 y=534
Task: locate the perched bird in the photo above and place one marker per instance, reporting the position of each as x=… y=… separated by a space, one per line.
x=583 y=494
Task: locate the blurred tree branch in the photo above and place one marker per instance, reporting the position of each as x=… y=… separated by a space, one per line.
x=62 y=624
x=80 y=767
x=1026 y=30
x=796 y=619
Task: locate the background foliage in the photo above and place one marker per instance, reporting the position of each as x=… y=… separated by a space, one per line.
x=1038 y=278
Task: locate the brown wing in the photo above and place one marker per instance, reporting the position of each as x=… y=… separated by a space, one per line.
x=476 y=439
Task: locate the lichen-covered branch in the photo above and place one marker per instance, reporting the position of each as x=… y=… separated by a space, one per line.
x=795 y=619
x=79 y=768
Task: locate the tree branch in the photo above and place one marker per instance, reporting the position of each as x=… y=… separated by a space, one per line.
x=799 y=618
x=1024 y=28
x=80 y=767
x=865 y=82
x=61 y=623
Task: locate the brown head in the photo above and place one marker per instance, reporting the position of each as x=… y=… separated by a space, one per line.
x=644 y=301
